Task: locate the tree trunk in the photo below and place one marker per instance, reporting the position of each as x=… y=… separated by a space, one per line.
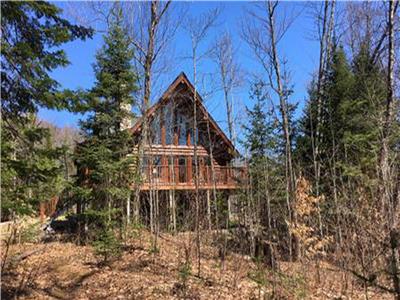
x=147 y=93
x=285 y=121
x=388 y=198
x=172 y=205
x=196 y=167
x=208 y=209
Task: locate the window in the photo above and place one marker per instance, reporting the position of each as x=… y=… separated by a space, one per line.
x=169 y=123
x=155 y=130
x=182 y=125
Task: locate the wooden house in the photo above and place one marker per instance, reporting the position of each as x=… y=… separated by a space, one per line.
x=169 y=165
x=169 y=171
x=169 y=156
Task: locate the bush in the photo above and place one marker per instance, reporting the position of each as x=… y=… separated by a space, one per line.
x=30 y=232
x=185 y=270
x=92 y=224
x=107 y=245
x=100 y=230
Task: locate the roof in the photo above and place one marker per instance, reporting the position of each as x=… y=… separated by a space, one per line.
x=182 y=79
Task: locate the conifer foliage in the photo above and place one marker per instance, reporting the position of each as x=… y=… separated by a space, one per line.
x=103 y=157
x=31 y=34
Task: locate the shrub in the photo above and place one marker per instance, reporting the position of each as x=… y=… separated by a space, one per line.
x=107 y=245
x=30 y=232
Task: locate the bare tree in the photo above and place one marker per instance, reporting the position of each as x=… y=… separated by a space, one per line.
x=325 y=22
x=367 y=21
x=263 y=37
x=388 y=194
x=197 y=28
x=324 y=16
x=230 y=73
x=150 y=28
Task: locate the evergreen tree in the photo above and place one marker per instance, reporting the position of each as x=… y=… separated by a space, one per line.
x=339 y=87
x=31 y=35
x=29 y=179
x=261 y=139
x=361 y=117
x=337 y=92
x=259 y=134
x=353 y=98
x=103 y=158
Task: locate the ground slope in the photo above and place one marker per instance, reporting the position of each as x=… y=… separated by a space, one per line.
x=58 y=270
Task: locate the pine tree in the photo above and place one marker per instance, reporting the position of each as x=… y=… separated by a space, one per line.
x=337 y=91
x=103 y=157
x=306 y=126
x=258 y=136
x=339 y=87
x=353 y=97
x=361 y=117
x=261 y=139
x=32 y=33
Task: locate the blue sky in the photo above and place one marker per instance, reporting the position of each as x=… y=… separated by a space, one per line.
x=300 y=51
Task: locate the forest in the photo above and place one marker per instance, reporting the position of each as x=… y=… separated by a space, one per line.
x=269 y=169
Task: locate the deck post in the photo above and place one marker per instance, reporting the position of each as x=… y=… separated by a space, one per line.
x=208 y=209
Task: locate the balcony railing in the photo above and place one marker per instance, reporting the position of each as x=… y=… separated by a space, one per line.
x=165 y=177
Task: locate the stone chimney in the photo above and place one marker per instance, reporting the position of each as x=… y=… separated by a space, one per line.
x=127 y=121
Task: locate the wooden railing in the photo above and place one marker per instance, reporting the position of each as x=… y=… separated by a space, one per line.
x=165 y=177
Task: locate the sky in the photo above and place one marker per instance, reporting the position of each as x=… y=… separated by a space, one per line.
x=299 y=49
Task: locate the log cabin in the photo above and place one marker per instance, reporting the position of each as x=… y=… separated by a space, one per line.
x=174 y=146
x=169 y=157
x=169 y=171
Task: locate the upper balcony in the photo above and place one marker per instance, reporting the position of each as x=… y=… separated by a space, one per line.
x=168 y=177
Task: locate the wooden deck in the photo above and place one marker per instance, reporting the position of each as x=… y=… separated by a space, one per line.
x=183 y=178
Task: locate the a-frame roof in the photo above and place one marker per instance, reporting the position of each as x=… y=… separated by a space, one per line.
x=171 y=90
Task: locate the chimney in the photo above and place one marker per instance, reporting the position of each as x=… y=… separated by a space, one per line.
x=127 y=121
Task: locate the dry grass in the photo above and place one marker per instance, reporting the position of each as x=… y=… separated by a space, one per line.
x=66 y=271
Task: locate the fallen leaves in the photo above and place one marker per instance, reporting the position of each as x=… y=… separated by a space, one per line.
x=68 y=271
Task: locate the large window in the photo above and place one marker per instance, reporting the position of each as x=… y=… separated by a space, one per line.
x=182 y=125
x=155 y=130
x=169 y=123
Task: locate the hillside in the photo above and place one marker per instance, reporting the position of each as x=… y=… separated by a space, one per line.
x=63 y=270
